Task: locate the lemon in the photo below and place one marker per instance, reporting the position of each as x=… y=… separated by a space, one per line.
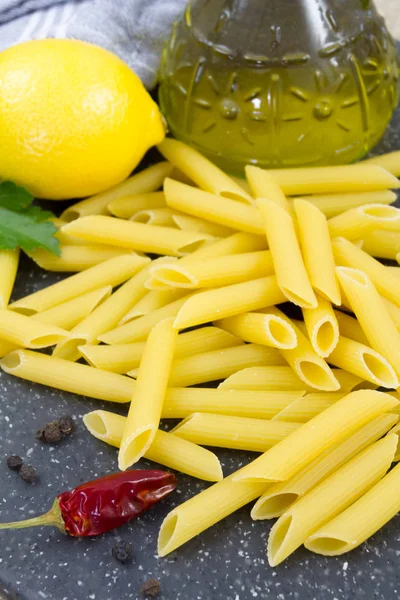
x=74 y=119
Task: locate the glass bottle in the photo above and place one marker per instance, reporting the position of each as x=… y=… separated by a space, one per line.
x=279 y=83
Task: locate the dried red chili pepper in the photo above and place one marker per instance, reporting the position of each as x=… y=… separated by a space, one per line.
x=103 y=504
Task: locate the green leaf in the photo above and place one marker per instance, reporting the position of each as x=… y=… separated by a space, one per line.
x=22 y=224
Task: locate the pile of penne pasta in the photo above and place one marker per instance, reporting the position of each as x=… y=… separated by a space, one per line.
x=300 y=391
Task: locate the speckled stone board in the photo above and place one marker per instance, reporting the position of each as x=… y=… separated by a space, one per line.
x=227 y=562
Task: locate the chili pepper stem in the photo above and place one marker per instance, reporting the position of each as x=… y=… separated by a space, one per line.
x=52 y=518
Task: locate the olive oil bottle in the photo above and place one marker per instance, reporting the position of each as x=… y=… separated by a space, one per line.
x=279 y=83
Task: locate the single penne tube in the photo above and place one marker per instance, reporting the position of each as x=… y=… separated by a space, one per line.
x=329 y=498
x=201 y=170
x=68 y=376
x=306 y=363
x=74 y=258
x=306 y=408
x=126 y=206
x=216 y=272
x=64 y=238
x=218 y=364
x=210 y=207
x=382 y=243
x=190 y=518
x=357 y=222
x=228 y=301
x=322 y=327
x=240 y=433
x=165 y=449
x=9 y=260
x=136 y=236
x=111 y=272
x=280 y=496
x=389 y=161
x=261 y=328
x=182 y=402
x=139 y=329
x=334 y=204
x=363 y=361
x=154 y=216
x=350 y=327
x=28 y=333
x=189 y=223
x=317 y=250
x=372 y=314
x=386 y=282
x=280 y=377
x=125 y=357
x=145 y=411
x=287 y=259
x=153 y=300
x=359 y=521
x=102 y=319
x=263 y=185
x=302 y=446
x=328 y=180
x=145 y=181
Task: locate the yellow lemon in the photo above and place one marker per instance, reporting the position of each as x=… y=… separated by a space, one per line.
x=74 y=119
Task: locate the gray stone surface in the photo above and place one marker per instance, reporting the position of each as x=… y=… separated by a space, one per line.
x=227 y=562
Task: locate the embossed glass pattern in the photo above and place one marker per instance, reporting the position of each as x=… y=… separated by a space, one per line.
x=280 y=83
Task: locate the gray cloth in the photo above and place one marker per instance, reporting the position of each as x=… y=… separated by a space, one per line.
x=135 y=30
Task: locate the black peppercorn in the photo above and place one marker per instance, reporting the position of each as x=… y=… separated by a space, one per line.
x=50 y=433
x=14 y=463
x=122 y=551
x=28 y=474
x=151 y=588
x=66 y=425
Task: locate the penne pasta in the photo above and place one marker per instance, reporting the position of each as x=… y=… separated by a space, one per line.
x=202 y=171
x=135 y=236
x=389 y=161
x=302 y=446
x=263 y=185
x=139 y=329
x=238 y=243
x=219 y=364
x=64 y=238
x=28 y=333
x=306 y=363
x=329 y=498
x=372 y=314
x=357 y=222
x=317 y=250
x=145 y=412
x=153 y=300
x=334 y=204
x=9 y=260
x=288 y=262
x=329 y=180
x=111 y=272
x=322 y=327
x=363 y=361
x=386 y=282
x=266 y=329
x=350 y=327
x=162 y=217
x=280 y=377
x=171 y=451
x=306 y=408
x=228 y=301
x=211 y=207
x=240 y=433
x=215 y=272
x=280 y=496
x=189 y=223
x=125 y=357
x=145 y=181
x=68 y=376
x=182 y=402
x=382 y=244
x=190 y=518
x=127 y=206
x=74 y=258
x=359 y=521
